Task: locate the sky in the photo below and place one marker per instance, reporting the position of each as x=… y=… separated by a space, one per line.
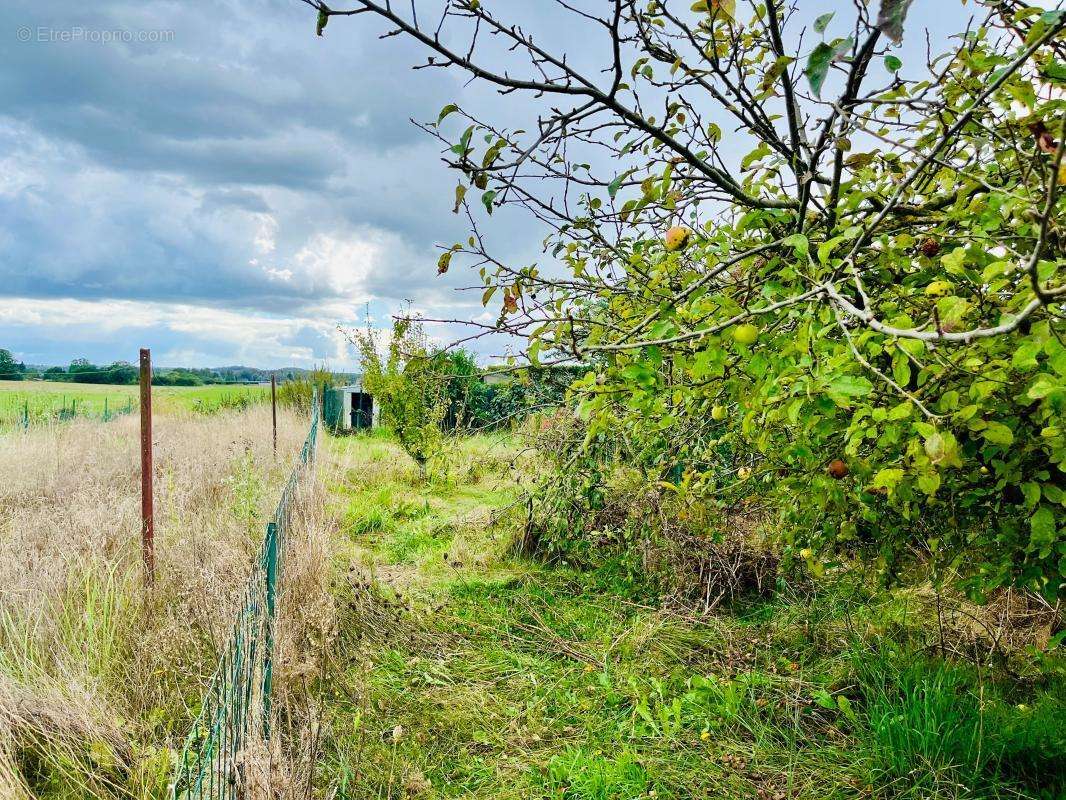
x=221 y=185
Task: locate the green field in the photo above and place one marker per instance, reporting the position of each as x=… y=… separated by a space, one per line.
x=50 y=401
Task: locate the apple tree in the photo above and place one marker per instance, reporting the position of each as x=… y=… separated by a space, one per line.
x=799 y=260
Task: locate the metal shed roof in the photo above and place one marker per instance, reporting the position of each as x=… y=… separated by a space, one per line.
x=355 y=386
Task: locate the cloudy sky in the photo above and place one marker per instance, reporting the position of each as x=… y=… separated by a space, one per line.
x=227 y=187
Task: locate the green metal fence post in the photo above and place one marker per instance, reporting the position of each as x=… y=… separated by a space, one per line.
x=270 y=568
x=106 y=417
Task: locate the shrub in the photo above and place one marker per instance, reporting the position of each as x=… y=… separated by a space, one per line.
x=410 y=387
x=297 y=392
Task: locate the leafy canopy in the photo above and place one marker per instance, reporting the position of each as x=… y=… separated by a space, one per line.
x=872 y=271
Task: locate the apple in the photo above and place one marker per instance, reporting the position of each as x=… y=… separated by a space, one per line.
x=745 y=334
x=930 y=247
x=939 y=288
x=676 y=238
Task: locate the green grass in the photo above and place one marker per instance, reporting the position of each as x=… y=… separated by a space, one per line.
x=49 y=400
x=510 y=679
x=463 y=671
x=936 y=726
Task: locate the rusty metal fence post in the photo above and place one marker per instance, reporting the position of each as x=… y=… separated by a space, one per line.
x=147 y=511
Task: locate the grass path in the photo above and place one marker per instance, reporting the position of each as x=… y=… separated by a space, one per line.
x=466 y=672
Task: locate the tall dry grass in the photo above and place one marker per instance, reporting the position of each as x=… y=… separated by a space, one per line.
x=99 y=679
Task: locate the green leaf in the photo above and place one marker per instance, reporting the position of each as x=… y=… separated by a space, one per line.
x=1025 y=355
x=860 y=160
x=955 y=260
x=462 y=147
x=819 y=60
x=893 y=64
x=823 y=698
x=849 y=386
x=799 y=243
x=323 y=20
x=443 y=262
x=888 y=478
x=901 y=369
x=1042 y=387
x=845 y=708
x=639 y=374
x=822 y=21
x=451 y=108
x=615 y=185
x=487 y=198
x=1055 y=71
x=998 y=433
x=1031 y=491
x=774 y=72
x=825 y=249
x=1042 y=528
x=460 y=193
x=891 y=16
x=818 y=66
x=929 y=482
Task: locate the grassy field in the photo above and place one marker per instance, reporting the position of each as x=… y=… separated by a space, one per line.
x=50 y=401
x=421 y=657
x=464 y=671
x=99 y=679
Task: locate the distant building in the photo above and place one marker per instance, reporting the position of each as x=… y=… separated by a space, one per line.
x=349 y=408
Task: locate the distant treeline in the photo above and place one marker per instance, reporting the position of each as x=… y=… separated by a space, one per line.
x=82 y=370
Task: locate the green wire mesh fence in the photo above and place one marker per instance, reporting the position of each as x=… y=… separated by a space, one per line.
x=22 y=414
x=235 y=714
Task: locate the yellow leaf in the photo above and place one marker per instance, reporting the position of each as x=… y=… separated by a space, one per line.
x=725 y=8
x=720 y=8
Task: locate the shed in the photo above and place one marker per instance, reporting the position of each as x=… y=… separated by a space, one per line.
x=349 y=408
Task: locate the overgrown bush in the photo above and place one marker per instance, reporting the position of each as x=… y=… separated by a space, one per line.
x=603 y=503
x=297 y=392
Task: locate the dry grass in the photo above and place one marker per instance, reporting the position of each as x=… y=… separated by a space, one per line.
x=97 y=679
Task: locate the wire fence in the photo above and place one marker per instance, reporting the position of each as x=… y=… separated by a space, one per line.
x=19 y=412
x=234 y=717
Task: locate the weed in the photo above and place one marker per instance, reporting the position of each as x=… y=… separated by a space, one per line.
x=578 y=774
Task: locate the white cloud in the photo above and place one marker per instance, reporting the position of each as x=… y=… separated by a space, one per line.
x=188 y=335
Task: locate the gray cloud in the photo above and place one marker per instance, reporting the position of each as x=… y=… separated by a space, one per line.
x=241 y=170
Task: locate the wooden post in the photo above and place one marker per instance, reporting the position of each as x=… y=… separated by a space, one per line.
x=147 y=516
x=274 y=409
